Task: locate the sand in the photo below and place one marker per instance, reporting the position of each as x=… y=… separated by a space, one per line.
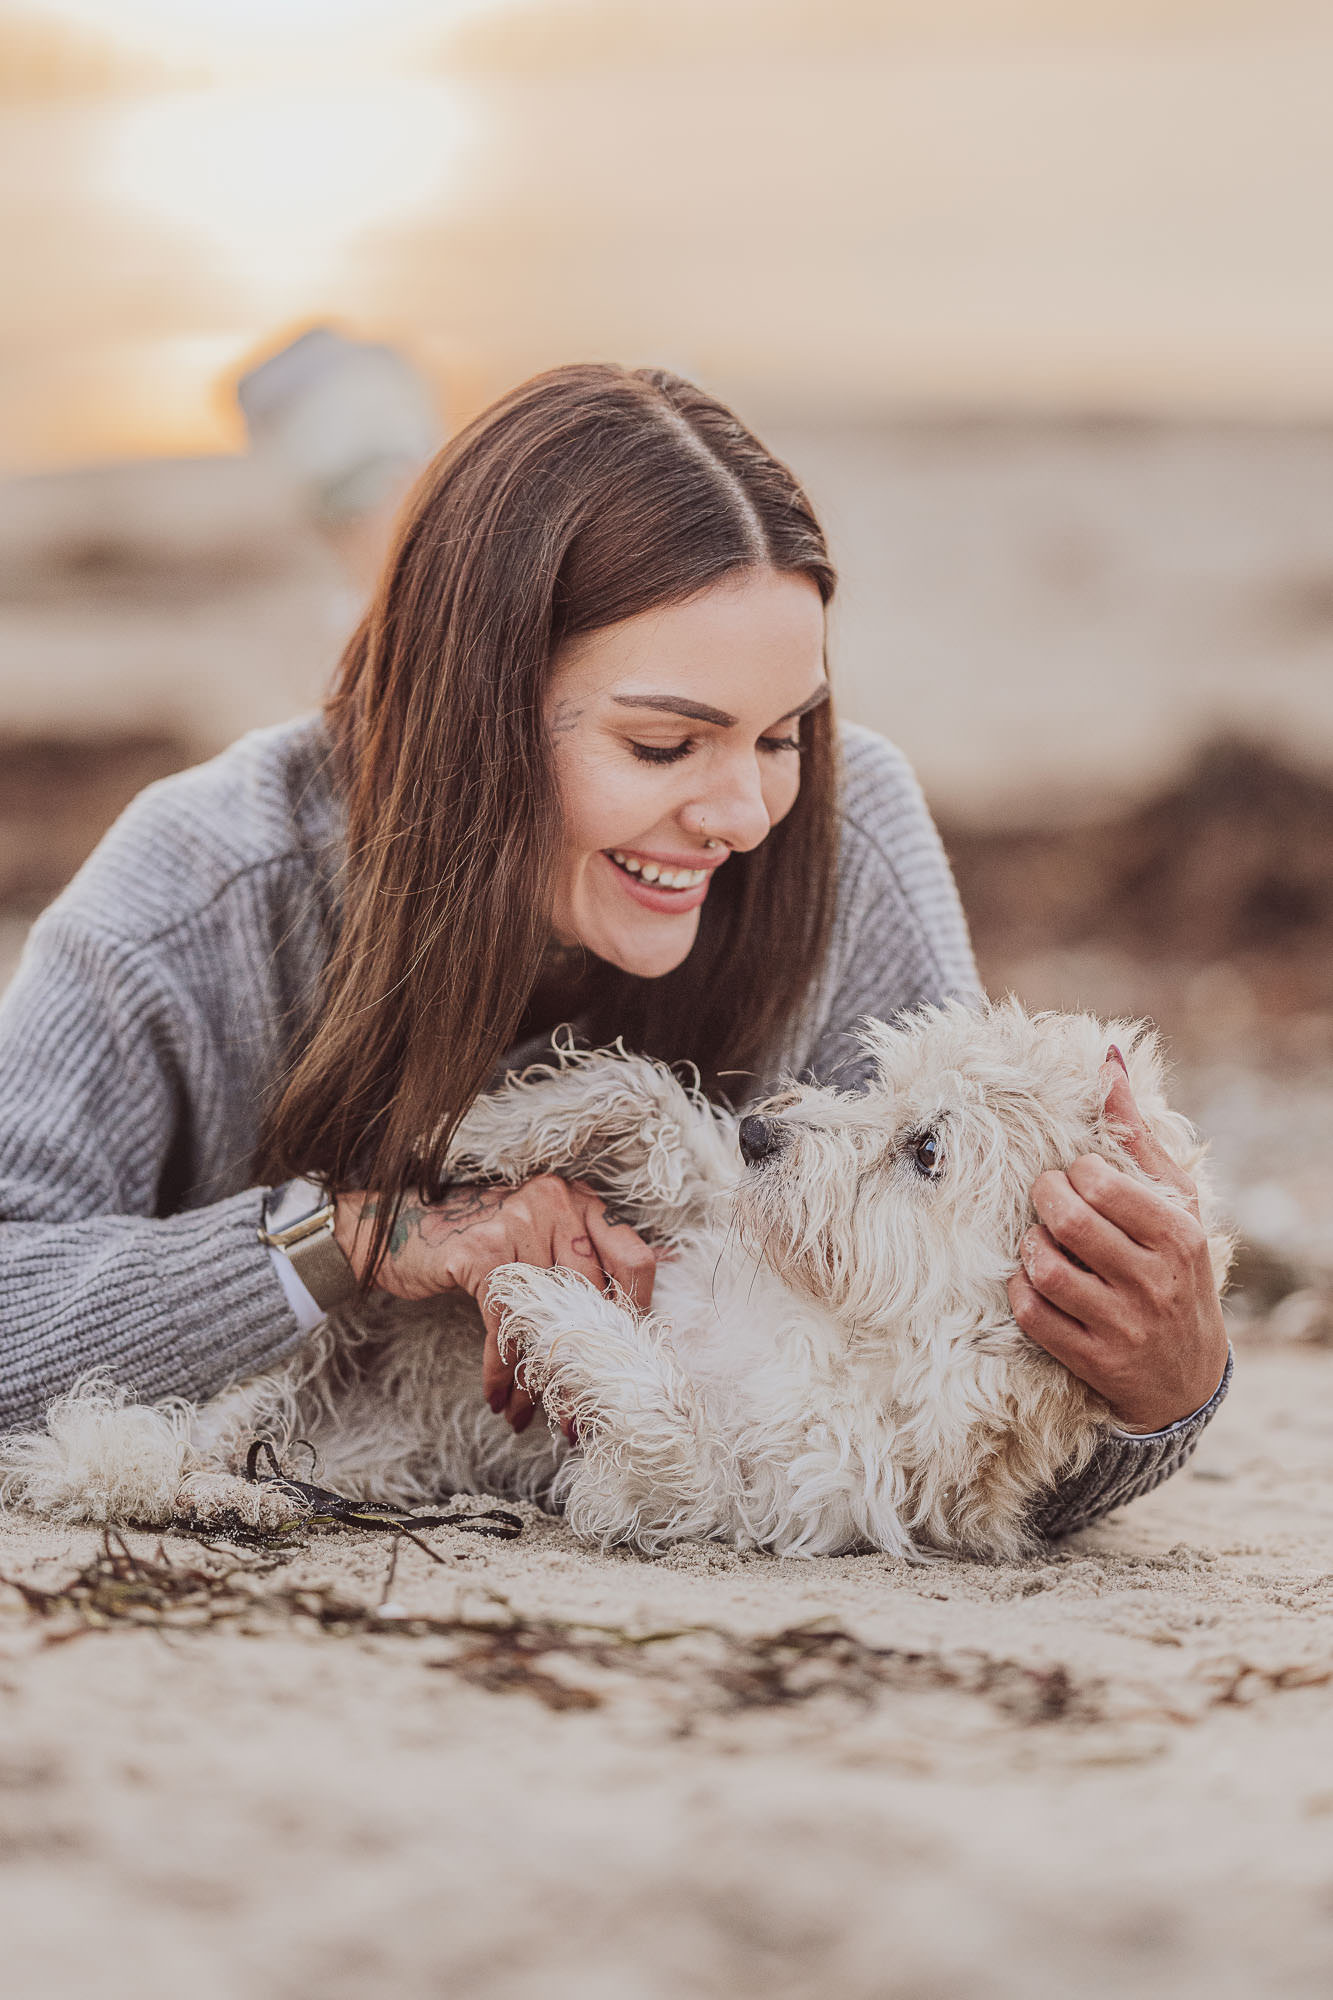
x=1105 y=1770
x=1108 y=1768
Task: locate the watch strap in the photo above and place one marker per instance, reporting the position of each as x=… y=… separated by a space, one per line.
x=298 y=1221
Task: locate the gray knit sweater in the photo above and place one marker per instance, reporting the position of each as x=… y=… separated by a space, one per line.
x=158 y=998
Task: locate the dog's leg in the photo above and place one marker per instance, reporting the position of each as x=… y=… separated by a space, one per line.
x=650 y=1468
x=103 y=1458
x=659 y=1151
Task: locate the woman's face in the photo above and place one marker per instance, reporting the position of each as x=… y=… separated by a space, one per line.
x=668 y=730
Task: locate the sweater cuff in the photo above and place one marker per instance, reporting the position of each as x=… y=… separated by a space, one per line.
x=1123 y=1468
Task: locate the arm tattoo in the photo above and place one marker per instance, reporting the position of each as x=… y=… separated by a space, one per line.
x=459 y=1209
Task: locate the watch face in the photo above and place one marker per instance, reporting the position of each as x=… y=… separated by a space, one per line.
x=293 y=1203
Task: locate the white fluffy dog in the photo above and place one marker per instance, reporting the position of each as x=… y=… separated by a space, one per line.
x=831 y=1362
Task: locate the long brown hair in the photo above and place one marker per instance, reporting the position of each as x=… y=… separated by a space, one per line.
x=585 y=496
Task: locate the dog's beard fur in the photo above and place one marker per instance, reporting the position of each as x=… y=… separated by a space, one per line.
x=832 y=1360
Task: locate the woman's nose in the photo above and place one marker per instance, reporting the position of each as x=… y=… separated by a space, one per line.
x=735 y=812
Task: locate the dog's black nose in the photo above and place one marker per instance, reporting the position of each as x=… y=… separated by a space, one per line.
x=760 y=1139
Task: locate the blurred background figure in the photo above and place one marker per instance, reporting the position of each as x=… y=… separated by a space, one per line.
x=349 y=424
x=1031 y=295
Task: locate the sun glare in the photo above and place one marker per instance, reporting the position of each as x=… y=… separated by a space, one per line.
x=281 y=181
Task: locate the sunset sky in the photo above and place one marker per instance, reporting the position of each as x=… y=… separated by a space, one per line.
x=823 y=207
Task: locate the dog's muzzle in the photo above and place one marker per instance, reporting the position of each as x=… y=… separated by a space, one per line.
x=760 y=1139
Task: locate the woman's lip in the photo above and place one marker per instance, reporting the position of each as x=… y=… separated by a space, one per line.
x=667 y=902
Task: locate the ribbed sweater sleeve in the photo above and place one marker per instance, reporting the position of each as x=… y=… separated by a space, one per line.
x=1124 y=1468
x=100 y=1059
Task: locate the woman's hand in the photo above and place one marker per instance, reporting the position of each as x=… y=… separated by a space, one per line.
x=458 y=1242
x=1142 y=1325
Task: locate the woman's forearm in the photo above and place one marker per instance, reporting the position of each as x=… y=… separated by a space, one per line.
x=180 y=1306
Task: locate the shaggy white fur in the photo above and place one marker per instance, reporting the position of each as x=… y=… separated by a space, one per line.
x=831 y=1361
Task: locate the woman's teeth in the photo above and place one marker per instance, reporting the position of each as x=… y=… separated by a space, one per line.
x=662 y=878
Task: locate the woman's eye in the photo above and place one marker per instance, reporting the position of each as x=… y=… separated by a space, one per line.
x=927 y=1155
x=661 y=753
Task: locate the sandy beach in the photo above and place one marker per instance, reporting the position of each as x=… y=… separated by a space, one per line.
x=526 y=1770
x=1025 y=294
x=534 y=1770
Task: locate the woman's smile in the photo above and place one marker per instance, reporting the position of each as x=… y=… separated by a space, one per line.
x=663 y=882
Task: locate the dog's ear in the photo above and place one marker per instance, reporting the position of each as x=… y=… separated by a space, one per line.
x=1135 y=1047
x=1173 y=1132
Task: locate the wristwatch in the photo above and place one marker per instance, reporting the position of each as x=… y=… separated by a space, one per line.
x=298 y=1221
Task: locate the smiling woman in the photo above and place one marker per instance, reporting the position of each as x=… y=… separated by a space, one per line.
x=579 y=767
x=622 y=595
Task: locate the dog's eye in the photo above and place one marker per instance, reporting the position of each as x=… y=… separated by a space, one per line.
x=927 y=1154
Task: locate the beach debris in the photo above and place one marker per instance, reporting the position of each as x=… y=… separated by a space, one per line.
x=321 y=1507
x=556 y=1661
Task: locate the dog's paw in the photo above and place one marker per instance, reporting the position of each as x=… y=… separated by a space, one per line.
x=538 y=1305
x=585 y=1352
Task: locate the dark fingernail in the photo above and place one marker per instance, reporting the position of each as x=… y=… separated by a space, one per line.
x=1113 y=1055
x=521 y=1423
x=497 y=1400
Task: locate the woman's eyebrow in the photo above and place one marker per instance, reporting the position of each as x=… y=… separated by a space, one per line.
x=699 y=711
x=674 y=704
x=815 y=700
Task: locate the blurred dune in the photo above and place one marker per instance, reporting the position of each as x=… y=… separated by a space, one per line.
x=854 y=208
x=550 y=35
x=1048 y=617
x=185 y=599
x=825 y=211
x=1051 y=617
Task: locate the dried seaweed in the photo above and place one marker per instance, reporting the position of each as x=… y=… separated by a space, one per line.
x=506 y=1652
x=807 y=1660
x=1238 y=1682
x=322 y=1507
x=571 y=1664
x=119 y=1588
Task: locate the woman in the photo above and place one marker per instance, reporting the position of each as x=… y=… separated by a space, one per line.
x=579 y=766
